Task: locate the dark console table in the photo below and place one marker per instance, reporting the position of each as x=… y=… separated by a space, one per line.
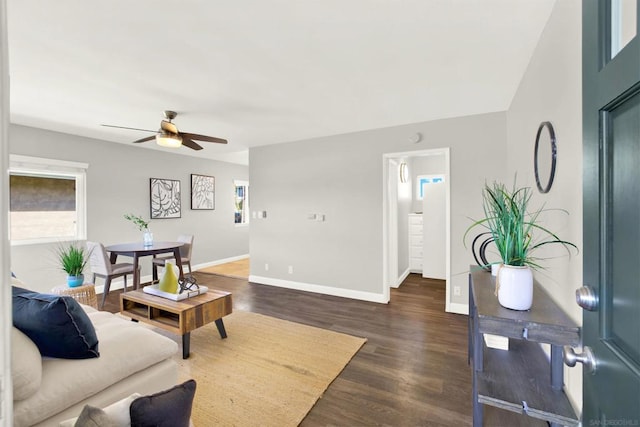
x=521 y=380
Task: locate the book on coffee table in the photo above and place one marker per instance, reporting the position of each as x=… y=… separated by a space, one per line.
x=153 y=290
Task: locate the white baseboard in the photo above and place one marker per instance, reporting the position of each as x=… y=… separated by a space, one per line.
x=455 y=307
x=401 y=278
x=119 y=283
x=320 y=289
x=219 y=261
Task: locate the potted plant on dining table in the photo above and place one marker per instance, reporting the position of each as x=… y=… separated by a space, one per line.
x=147 y=235
x=516 y=233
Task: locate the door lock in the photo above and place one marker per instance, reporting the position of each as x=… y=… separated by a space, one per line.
x=586 y=358
x=587 y=298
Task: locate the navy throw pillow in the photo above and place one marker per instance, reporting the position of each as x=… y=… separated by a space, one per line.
x=15 y=290
x=57 y=325
x=169 y=408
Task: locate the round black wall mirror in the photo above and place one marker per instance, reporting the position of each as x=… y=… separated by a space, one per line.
x=544 y=158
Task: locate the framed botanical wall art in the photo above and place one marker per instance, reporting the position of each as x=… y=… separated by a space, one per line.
x=203 y=192
x=164 y=196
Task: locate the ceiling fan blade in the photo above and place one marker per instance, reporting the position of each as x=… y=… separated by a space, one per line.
x=168 y=127
x=124 y=127
x=148 y=138
x=190 y=143
x=203 y=138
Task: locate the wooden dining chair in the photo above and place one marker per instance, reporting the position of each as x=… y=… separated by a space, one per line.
x=102 y=267
x=185 y=255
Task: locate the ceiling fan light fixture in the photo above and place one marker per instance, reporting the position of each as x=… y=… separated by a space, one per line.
x=168 y=140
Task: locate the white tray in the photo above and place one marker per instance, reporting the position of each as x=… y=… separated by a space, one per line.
x=153 y=290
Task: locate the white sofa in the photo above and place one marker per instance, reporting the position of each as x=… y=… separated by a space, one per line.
x=132 y=359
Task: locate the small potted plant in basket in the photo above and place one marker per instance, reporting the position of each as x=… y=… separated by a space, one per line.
x=73 y=260
x=147 y=236
x=516 y=233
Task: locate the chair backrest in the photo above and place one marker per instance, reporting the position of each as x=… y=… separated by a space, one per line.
x=98 y=258
x=185 y=250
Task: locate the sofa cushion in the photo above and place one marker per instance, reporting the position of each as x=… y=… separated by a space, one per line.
x=56 y=324
x=26 y=365
x=169 y=408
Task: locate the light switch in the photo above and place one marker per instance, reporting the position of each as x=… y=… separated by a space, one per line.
x=311 y=216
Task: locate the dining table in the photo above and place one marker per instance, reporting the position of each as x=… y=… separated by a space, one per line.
x=139 y=249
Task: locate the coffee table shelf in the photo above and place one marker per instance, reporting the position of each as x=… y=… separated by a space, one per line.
x=179 y=317
x=154 y=316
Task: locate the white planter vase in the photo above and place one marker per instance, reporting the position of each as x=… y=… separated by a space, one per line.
x=515 y=287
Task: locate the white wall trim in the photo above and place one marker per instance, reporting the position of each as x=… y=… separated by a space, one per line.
x=42 y=164
x=401 y=279
x=320 y=289
x=119 y=284
x=455 y=307
x=219 y=261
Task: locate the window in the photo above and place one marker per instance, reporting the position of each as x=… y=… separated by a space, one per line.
x=241 y=196
x=423 y=180
x=47 y=200
x=623 y=24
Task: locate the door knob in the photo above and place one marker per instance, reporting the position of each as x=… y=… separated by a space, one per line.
x=586 y=358
x=587 y=298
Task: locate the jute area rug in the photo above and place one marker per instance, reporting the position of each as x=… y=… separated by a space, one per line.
x=268 y=372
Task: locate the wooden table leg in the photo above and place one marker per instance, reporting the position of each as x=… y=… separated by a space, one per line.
x=136 y=272
x=154 y=272
x=176 y=255
x=221 y=330
x=186 y=343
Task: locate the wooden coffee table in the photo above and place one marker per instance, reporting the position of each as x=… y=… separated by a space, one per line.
x=180 y=317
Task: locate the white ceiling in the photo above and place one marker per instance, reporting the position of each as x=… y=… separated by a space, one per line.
x=264 y=71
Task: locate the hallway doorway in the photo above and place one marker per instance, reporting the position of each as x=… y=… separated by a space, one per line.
x=404 y=206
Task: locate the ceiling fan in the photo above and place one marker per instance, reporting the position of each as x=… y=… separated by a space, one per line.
x=169 y=136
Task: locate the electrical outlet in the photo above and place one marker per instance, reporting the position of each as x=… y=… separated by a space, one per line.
x=456 y=291
x=266 y=267
x=291 y=269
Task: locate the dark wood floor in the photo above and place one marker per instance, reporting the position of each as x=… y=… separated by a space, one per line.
x=411 y=372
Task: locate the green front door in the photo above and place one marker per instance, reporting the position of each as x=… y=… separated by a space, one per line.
x=611 y=174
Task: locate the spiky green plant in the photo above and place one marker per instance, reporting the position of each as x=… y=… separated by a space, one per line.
x=515 y=231
x=73 y=259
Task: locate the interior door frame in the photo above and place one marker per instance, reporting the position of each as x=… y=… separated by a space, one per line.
x=6 y=387
x=387 y=233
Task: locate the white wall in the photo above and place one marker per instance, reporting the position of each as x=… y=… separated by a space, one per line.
x=424 y=165
x=118 y=183
x=434 y=231
x=551 y=90
x=342 y=177
x=404 y=208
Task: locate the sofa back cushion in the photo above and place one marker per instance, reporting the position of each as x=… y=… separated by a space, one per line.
x=26 y=365
x=56 y=324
